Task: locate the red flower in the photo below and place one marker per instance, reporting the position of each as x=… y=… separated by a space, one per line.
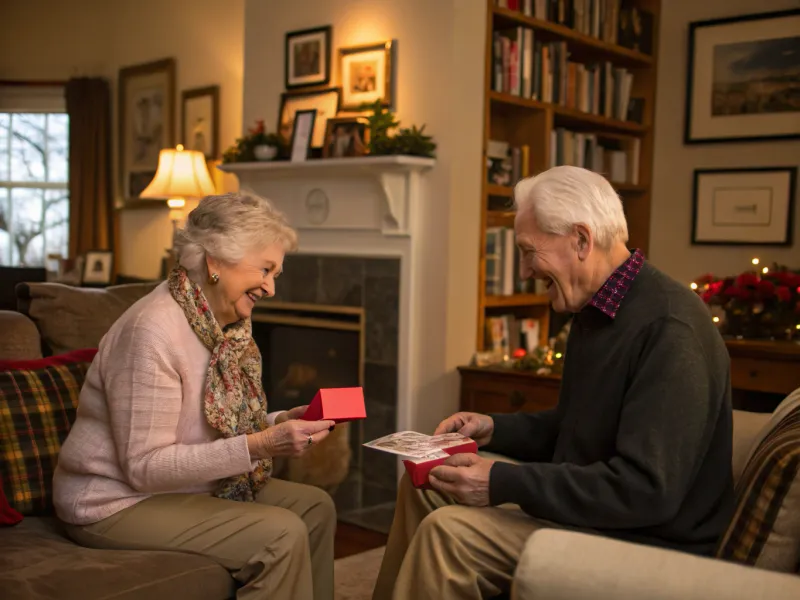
x=747 y=280
x=707 y=278
x=766 y=289
x=715 y=288
x=784 y=293
x=738 y=292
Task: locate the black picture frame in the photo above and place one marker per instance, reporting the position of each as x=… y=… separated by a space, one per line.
x=689 y=137
x=325 y=101
x=324 y=78
x=89 y=273
x=790 y=211
x=306 y=143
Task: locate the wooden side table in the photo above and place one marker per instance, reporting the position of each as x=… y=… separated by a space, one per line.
x=495 y=390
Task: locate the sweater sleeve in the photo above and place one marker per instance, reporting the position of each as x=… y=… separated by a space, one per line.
x=523 y=436
x=144 y=395
x=665 y=425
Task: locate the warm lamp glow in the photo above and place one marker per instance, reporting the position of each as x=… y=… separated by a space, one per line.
x=755 y=261
x=715 y=319
x=765 y=270
x=693 y=285
x=176 y=202
x=181 y=174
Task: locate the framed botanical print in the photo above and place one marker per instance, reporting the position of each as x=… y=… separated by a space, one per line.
x=200 y=120
x=146 y=121
x=744 y=206
x=325 y=102
x=744 y=78
x=308 y=57
x=365 y=73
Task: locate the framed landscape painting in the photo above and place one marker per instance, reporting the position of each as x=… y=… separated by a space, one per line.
x=744 y=78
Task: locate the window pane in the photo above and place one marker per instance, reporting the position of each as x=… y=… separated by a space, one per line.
x=27 y=147
x=5 y=123
x=56 y=222
x=57 y=144
x=27 y=225
x=5 y=238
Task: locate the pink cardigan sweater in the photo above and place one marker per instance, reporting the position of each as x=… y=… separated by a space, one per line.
x=140 y=426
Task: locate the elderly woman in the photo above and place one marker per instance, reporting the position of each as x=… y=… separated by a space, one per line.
x=639 y=447
x=172 y=447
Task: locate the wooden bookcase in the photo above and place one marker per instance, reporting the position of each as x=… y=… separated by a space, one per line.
x=522 y=121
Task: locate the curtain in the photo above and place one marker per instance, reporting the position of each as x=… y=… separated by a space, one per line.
x=91 y=209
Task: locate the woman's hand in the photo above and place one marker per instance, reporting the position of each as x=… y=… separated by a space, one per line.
x=290 y=415
x=290 y=438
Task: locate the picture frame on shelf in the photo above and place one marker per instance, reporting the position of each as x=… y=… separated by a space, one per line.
x=742 y=81
x=346 y=137
x=750 y=206
x=98 y=267
x=308 y=57
x=301 y=135
x=325 y=102
x=200 y=120
x=146 y=122
x=365 y=75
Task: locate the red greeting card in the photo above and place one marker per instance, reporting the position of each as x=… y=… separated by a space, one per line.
x=337 y=404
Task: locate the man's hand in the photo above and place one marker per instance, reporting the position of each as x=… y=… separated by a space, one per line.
x=465 y=478
x=289 y=415
x=473 y=425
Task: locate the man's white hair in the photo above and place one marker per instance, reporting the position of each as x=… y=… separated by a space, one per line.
x=563 y=197
x=226 y=228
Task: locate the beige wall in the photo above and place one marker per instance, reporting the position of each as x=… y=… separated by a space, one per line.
x=53 y=39
x=440 y=83
x=670 y=235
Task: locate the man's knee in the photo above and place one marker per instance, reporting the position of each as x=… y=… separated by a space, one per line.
x=445 y=521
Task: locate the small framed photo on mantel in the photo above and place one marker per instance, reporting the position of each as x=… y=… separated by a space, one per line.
x=308 y=57
x=744 y=206
x=302 y=133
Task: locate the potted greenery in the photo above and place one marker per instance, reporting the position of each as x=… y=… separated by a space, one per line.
x=383 y=140
x=256 y=145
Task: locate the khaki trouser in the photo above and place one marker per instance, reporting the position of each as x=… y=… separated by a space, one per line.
x=441 y=551
x=275 y=546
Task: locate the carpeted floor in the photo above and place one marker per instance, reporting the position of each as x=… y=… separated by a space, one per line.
x=354 y=576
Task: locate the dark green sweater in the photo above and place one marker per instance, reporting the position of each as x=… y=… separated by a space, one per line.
x=639 y=446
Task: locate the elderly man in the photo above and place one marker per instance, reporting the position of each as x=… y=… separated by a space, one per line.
x=639 y=447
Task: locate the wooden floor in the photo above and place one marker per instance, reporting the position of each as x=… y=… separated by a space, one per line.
x=351 y=539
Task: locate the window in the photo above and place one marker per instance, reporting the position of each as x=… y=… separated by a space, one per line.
x=34 y=195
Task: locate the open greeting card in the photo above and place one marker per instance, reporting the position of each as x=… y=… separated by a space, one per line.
x=421 y=452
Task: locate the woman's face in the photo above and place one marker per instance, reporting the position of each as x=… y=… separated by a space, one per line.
x=242 y=285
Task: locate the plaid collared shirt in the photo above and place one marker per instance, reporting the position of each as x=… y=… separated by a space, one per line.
x=608 y=298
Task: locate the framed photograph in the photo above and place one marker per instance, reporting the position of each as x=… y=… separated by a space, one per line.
x=743 y=79
x=301 y=134
x=97 y=267
x=346 y=136
x=200 y=120
x=325 y=102
x=366 y=75
x=744 y=206
x=308 y=57
x=146 y=121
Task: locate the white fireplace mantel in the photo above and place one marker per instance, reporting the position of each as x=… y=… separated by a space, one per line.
x=374 y=193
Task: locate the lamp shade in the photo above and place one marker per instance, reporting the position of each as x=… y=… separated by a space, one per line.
x=181 y=173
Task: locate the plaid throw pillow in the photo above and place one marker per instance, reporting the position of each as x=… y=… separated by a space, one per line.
x=765 y=530
x=38 y=400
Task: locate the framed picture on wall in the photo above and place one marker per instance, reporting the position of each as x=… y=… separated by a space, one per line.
x=744 y=206
x=308 y=57
x=744 y=78
x=365 y=74
x=325 y=102
x=146 y=121
x=200 y=120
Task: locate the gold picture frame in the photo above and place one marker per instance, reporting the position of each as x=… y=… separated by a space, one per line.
x=346 y=137
x=365 y=75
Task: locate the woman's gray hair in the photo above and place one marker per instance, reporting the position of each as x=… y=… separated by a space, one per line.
x=226 y=228
x=562 y=197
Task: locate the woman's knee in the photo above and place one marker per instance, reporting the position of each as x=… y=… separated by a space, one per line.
x=322 y=510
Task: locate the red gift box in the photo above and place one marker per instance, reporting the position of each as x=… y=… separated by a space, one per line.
x=418 y=471
x=337 y=404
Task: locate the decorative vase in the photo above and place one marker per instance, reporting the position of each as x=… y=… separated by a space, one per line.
x=264 y=152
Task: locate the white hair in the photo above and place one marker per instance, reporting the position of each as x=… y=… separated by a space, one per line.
x=563 y=197
x=227 y=227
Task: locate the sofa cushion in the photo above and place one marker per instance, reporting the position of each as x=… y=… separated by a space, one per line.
x=8 y=515
x=765 y=530
x=69 y=318
x=38 y=562
x=38 y=401
x=20 y=337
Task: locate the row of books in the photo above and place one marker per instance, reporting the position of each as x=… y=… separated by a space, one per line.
x=529 y=68
x=616 y=159
x=506 y=164
x=617 y=22
x=502 y=265
x=507 y=333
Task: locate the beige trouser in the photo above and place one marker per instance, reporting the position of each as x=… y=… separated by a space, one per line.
x=441 y=551
x=275 y=546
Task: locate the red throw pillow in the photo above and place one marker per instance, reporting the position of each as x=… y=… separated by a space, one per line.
x=38 y=402
x=8 y=516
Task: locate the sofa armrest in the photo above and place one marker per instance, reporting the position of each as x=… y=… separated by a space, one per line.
x=565 y=565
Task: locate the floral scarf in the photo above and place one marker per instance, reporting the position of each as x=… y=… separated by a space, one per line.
x=235 y=403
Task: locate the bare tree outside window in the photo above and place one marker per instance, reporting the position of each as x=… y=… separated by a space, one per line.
x=34 y=198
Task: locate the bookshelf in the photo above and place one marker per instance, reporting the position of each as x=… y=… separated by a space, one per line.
x=581 y=93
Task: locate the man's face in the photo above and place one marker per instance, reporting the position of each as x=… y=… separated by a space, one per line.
x=553 y=259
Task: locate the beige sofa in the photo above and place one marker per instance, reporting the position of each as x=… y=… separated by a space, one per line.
x=563 y=565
